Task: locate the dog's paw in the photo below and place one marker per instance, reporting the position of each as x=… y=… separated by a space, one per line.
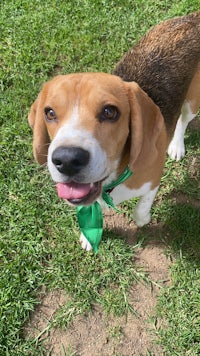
x=85 y=243
x=141 y=220
x=176 y=149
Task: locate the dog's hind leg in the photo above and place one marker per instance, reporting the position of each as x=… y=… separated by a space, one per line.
x=176 y=149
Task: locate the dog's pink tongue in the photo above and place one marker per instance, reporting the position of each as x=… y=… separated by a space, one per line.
x=72 y=190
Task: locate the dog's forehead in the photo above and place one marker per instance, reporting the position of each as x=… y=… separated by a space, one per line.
x=78 y=100
x=90 y=87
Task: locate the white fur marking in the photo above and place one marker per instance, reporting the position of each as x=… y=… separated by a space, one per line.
x=85 y=243
x=141 y=214
x=176 y=149
x=72 y=134
x=122 y=193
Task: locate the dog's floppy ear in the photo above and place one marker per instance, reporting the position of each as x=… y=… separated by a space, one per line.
x=146 y=126
x=40 y=135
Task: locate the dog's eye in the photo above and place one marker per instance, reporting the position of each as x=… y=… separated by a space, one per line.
x=109 y=113
x=50 y=114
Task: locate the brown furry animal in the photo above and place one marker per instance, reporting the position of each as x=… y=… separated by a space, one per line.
x=90 y=126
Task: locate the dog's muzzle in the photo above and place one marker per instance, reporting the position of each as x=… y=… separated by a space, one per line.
x=71 y=162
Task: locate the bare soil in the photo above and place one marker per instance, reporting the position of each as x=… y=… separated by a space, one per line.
x=98 y=334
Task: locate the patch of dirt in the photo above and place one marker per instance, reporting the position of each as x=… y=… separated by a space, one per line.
x=181 y=198
x=98 y=334
x=120 y=225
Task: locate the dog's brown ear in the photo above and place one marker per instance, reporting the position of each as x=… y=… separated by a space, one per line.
x=40 y=135
x=147 y=127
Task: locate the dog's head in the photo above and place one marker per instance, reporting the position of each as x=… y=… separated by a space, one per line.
x=82 y=126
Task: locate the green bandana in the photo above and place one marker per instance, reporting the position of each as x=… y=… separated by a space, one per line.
x=90 y=218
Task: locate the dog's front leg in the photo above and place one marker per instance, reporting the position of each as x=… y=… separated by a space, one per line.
x=142 y=215
x=85 y=243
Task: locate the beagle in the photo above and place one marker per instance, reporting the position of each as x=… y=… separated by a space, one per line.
x=89 y=126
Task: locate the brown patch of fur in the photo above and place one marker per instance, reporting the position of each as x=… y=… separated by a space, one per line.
x=164 y=62
x=193 y=94
x=148 y=140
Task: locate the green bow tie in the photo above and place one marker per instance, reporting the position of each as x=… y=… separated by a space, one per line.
x=90 y=218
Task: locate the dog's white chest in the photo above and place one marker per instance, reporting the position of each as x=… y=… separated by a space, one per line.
x=122 y=193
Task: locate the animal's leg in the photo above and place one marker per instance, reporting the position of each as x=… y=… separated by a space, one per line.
x=142 y=214
x=176 y=149
x=85 y=243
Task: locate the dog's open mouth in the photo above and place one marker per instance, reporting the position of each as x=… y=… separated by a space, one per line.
x=79 y=193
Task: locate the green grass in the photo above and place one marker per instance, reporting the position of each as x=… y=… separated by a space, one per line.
x=38 y=233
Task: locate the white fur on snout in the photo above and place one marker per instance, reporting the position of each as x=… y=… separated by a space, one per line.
x=72 y=134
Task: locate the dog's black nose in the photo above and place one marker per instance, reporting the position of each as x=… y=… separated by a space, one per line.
x=70 y=160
